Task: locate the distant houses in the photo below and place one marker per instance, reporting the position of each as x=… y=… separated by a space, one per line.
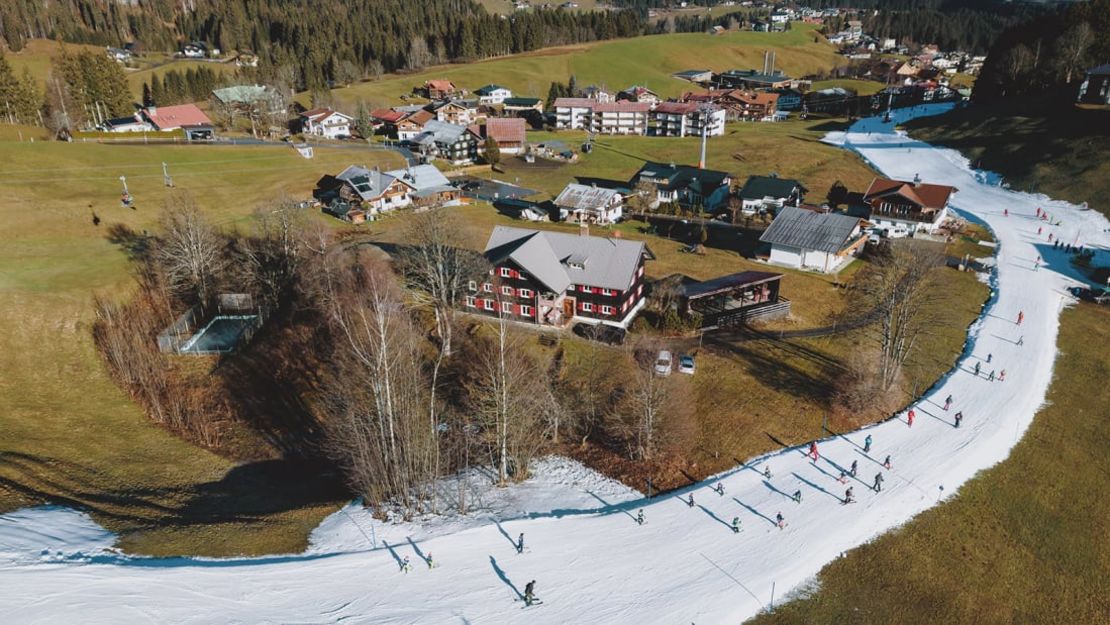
x=606 y=118
x=359 y=194
x=493 y=94
x=906 y=207
x=763 y=194
x=682 y=119
x=590 y=204
x=185 y=118
x=689 y=186
x=325 y=122
x=439 y=89
x=555 y=278
x=807 y=239
x=454 y=143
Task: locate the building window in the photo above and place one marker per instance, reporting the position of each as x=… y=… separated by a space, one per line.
x=570 y=287
x=472 y=285
x=526 y=310
x=606 y=310
x=470 y=301
x=587 y=307
x=506 y=272
x=487 y=287
x=507 y=290
x=526 y=293
x=608 y=292
x=487 y=304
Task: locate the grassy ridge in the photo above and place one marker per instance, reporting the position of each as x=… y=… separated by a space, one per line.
x=1027 y=541
x=616 y=64
x=1049 y=147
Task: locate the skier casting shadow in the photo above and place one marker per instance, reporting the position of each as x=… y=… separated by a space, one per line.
x=396 y=558
x=755 y=512
x=505 y=579
x=772 y=488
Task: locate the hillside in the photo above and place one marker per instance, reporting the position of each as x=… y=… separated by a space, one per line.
x=648 y=61
x=1052 y=148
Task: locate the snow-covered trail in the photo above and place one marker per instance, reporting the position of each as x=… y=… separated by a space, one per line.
x=685 y=564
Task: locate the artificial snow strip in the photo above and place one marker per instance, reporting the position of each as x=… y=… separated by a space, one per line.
x=591 y=560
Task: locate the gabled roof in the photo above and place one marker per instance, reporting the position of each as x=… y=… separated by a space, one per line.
x=584 y=197
x=367 y=183
x=320 y=114
x=440 y=132
x=423 y=179
x=179 y=116
x=759 y=187
x=522 y=101
x=928 y=196
x=388 y=116
x=488 y=89
x=420 y=118
x=810 y=230
x=752 y=97
x=505 y=130
x=560 y=259
x=440 y=85
x=676 y=108
x=578 y=103
x=622 y=107
x=702 y=181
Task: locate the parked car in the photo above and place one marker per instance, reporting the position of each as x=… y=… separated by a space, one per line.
x=663 y=363
x=601 y=333
x=686 y=364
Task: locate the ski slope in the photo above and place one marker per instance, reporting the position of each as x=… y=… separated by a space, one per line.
x=591 y=561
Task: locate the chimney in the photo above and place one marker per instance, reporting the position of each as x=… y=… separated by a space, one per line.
x=583 y=229
x=917 y=180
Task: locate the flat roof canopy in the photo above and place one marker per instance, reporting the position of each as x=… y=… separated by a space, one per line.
x=727 y=283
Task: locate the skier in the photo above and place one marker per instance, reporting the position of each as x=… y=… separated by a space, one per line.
x=855 y=468
x=767 y=472
x=1002 y=376
x=530 y=593
x=1005 y=212
x=520 y=543
x=1038 y=230
x=780 y=520
x=909 y=417
x=405 y=566
x=720 y=489
x=797 y=496
x=991 y=376
x=990 y=357
x=848 y=495
x=959 y=417
x=690 y=502
x=813 y=450
x=976 y=369
x=947 y=402
x=428 y=559
x=1037 y=264
x=735 y=525
x=878 y=487
x=867 y=444
x=1021 y=317
x=640 y=517
x=1050 y=237
x=886 y=463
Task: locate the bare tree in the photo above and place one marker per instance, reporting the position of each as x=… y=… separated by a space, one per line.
x=510 y=398
x=1072 y=46
x=902 y=287
x=643 y=197
x=191 y=252
x=276 y=251
x=419 y=55
x=647 y=400
x=377 y=402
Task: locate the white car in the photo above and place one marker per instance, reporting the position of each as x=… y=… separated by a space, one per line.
x=686 y=365
x=663 y=363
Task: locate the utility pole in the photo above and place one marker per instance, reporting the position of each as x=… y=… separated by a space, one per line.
x=166 y=179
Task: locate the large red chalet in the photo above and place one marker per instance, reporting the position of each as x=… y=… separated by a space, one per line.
x=553 y=278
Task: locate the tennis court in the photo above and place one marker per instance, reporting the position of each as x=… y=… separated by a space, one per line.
x=221 y=335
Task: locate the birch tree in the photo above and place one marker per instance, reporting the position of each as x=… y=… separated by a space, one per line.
x=191 y=252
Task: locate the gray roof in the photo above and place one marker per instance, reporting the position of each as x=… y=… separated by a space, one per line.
x=810 y=230
x=559 y=259
x=584 y=197
x=421 y=177
x=367 y=183
x=759 y=187
x=436 y=131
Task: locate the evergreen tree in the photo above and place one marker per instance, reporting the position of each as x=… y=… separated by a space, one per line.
x=157 y=91
x=148 y=98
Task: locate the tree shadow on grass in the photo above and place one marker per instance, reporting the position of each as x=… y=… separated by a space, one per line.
x=135 y=244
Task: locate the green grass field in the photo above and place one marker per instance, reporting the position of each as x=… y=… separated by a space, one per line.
x=69 y=434
x=1027 y=541
x=615 y=64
